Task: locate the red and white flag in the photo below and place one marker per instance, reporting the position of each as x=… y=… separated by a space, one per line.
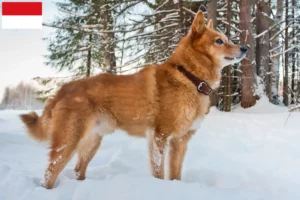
x=22 y=15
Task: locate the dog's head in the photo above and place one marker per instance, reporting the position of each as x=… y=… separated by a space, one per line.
x=204 y=39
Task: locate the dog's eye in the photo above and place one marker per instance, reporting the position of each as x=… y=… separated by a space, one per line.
x=219 y=41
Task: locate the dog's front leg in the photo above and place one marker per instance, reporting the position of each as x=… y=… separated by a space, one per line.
x=157 y=145
x=177 y=151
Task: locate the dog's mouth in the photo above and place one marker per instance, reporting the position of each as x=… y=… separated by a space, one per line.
x=230 y=58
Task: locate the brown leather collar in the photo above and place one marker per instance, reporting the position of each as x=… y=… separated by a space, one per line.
x=201 y=86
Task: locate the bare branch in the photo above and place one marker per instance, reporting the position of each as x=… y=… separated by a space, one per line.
x=289 y=49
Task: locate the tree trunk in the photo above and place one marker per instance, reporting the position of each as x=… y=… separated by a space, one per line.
x=179 y=7
x=212 y=14
x=212 y=11
x=293 y=56
x=89 y=59
x=263 y=45
x=248 y=67
x=104 y=16
x=109 y=41
x=298 y=76
x=286 y=60
x=227 y=89
x=298 y=85
x=276 y=60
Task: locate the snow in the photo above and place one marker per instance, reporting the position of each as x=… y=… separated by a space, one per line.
x=262 y=106
x=248 y=154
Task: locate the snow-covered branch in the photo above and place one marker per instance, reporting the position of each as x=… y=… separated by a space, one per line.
x=287 y=50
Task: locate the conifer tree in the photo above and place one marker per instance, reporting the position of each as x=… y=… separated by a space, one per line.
x=73 y=49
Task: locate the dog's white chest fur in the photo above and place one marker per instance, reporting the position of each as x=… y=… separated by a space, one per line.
x=196 y=123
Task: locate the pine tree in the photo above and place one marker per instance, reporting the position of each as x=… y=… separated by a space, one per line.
x=159 y=30
x=74 y=50
x=83 y=43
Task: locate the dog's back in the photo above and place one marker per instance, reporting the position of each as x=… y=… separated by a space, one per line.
x=132 y=98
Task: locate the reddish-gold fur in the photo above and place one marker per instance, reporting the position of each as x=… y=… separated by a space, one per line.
x=158 y=102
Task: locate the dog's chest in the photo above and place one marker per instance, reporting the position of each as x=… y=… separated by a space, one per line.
x=199 y=112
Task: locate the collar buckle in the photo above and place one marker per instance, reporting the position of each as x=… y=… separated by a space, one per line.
x=204 y=88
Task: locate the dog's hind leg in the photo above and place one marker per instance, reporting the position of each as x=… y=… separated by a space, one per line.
x=65 y=138
x=87 y=148
x=157 y=146
x=177 y=151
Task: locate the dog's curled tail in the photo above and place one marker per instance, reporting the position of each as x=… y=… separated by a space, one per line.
x=34 y=126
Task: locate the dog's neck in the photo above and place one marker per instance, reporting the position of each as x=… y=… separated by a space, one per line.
x=202 y=66
x=200 y=85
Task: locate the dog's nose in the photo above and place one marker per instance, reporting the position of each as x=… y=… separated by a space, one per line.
x=244 y=49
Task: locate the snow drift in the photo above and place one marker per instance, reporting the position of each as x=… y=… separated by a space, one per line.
x=233 y=156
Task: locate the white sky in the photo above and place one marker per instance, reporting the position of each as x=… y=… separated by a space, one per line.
x=21 y=51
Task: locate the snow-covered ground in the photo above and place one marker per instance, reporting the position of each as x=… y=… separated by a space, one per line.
x=253 y=154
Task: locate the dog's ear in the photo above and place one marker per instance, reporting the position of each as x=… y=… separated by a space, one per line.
x=210 y=24
x=198 y=25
